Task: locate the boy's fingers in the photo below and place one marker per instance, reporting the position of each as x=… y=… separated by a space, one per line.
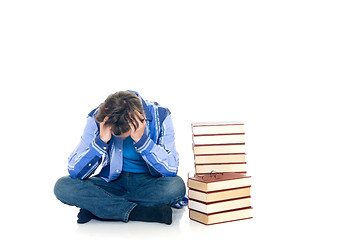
x=105 y=119
x=138 y=117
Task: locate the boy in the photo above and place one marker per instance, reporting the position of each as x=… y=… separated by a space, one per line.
x=130 y=142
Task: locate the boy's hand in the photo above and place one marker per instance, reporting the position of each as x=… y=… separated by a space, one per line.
x=136 y=134
x=105 y=132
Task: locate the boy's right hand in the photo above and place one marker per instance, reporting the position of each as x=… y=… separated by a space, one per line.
x=105 y=132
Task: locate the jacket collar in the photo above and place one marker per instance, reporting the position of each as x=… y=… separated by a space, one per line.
x=148 y=115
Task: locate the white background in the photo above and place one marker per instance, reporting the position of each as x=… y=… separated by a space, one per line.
x=290 y=70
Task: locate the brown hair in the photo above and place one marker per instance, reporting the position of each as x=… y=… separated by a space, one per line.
x=120 y=109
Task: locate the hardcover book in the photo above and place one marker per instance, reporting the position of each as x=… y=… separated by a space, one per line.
x=219 y=217
x=218 y=138
x=218 y=148
x=218 y=181
x=217 y=128
x=219 y=195
x=223 y=167
x=219 y=206
x=220 y=158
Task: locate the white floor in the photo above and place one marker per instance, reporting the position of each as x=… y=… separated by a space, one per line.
x=284 y=212
x=181 y=228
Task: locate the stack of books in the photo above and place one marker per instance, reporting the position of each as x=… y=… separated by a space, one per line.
x=220 y=189
x=219 y=147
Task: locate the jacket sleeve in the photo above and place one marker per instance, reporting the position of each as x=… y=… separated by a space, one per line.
x=163 y=156
x=87 y=156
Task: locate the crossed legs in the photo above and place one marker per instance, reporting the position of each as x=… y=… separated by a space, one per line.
x=116 y=200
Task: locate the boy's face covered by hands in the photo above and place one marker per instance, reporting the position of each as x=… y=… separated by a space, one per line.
x=136 y=131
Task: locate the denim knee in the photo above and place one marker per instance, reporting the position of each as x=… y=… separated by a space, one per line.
x=62 y=188
x=177 y=188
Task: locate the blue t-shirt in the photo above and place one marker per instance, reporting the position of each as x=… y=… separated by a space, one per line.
x=132 y=160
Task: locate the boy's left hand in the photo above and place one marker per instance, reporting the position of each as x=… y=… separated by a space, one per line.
x=136 y=134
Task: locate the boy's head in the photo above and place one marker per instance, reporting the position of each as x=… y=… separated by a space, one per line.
x=120 y=108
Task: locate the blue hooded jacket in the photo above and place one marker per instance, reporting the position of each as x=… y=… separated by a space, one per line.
x=157 y=147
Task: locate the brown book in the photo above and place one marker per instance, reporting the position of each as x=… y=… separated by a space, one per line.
x=215 y=196
x=202 y=128
x=220 y=195
x=219 y=217
x=220 y=158
x=219 y=206
x=222 y=167
x=218 y=138
x=218 y=181
x=218 y=148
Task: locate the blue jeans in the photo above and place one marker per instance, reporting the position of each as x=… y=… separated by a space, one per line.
x=115 y=200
